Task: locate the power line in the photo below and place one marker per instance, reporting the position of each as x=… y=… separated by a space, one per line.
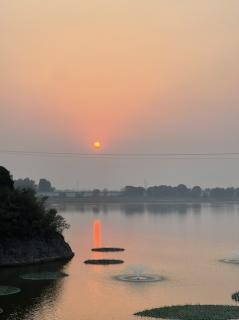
x=176 y=156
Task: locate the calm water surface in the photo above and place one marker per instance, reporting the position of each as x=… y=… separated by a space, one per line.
x=181 y=242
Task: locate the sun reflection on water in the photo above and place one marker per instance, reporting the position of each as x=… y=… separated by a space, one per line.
x=97 y=234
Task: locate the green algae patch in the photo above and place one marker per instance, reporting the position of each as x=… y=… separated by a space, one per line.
x=7 y=290
x=235 y=296
x=193 y=312
x=38 y=276
x=107 y=249
x=103 y=261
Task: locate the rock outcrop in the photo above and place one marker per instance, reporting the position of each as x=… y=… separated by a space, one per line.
x=16 y=252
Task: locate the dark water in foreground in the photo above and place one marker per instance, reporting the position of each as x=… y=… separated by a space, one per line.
x=180 y=242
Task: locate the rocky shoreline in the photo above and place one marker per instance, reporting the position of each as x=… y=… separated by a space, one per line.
x=41 y=249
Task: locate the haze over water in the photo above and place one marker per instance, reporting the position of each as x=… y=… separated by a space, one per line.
x=181 y=242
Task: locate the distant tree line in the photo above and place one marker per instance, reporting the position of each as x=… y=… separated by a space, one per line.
x=44 y=185
x=181 y=191
x=157 y=192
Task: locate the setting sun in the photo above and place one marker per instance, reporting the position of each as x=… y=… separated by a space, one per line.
x=97 y=145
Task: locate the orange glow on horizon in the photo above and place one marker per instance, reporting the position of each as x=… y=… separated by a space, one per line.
x=115 y=83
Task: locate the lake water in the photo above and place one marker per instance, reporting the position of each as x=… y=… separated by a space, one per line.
x=180 y=242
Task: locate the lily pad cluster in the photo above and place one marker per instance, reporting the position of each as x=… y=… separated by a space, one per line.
x=8 y=290
x=104 y=261
x=230 y=260
x=193 y=312
x=38 y=276
x=107 y=249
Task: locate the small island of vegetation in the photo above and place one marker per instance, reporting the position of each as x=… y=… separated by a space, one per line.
x=193 y=312
x=29 y=233
x=107 y=249
x=103 y=261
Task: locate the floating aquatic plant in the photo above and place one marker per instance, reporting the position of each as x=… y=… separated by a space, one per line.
x=108 y=249
x=7 y=290
x=235 y=296
x=37 y=276
x=104 y=261
x=193 y=312
x=233 y=261
x=233 y=258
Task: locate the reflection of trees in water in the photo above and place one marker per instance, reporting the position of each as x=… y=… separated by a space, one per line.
x=96 y=209
x=140 y=208
x=196 y=207
x=182 y=208
x=82 y=208
x=156 y=208
x=35 y=295
x=132 y=208
x=221 y=208
x=167 y=208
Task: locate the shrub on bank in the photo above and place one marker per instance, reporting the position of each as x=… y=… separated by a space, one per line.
x=23 y=215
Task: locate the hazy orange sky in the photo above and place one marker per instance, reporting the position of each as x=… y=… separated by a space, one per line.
x=138 y=75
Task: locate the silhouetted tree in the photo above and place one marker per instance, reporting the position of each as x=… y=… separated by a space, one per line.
x=96 y=193
x=237 y=193
x=161 y=192
x=230 y=193
x=223 y=193
x=105 y=192
x=182 y=191
x=196 y=192
x=23 y=215
x=130 y=191
x=6 y=181
x=217 y=193
x=45 y=186
x=25 y=184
